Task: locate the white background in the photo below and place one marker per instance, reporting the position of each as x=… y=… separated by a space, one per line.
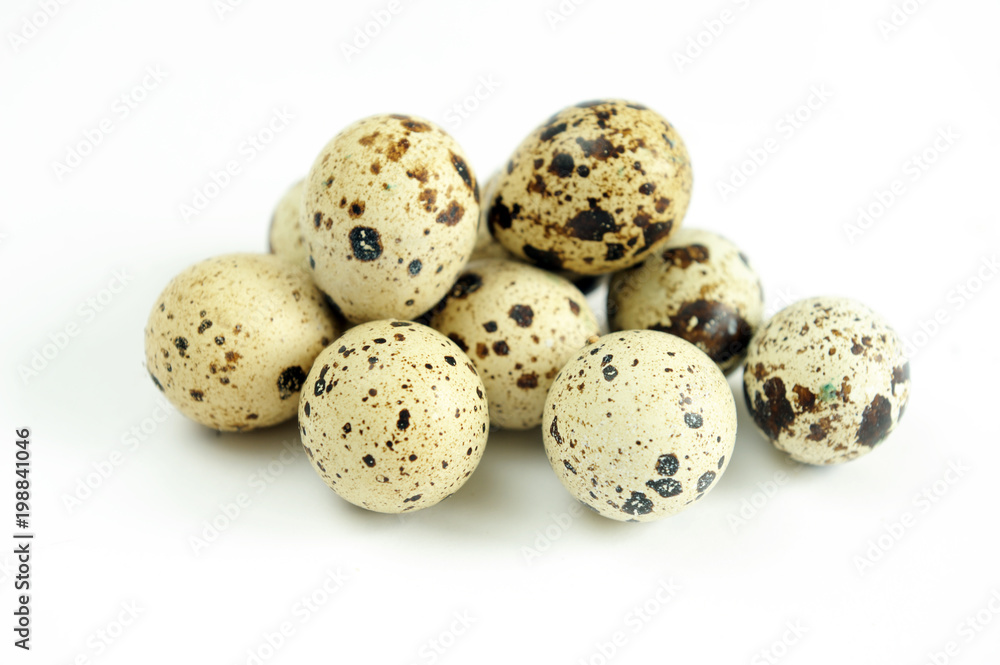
x=825 y=553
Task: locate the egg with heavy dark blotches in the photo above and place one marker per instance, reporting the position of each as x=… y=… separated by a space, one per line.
x=639 y=425
x=593 y=190
x=231 y=339
x=391 y=217
x=826 y=380
x=394 y=416
x=519 y=325
x=698 y=286
x=285 y=237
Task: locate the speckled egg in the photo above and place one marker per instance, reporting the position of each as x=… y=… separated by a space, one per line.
x=593 y=190
x=519 y=325
x=394 y=416
x=391 y=216
x=285 y=238
x=231 y=339
x=826 y=380
x=698 y=286
x=639 y=425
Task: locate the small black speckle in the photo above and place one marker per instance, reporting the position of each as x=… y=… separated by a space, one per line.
x=197 y=395
x=220 y=340
x=450 y=360
x=204 y=325
x=156 y=381
x=569 y=466
x=415 y=266
x=490 y=326
x=705 y=480
x=365 y=243
x=290 y=381
x=373 y=360
x=369 y=460
x=404 y=419
x=306 y=408
x=610 y=372
x=722 y=460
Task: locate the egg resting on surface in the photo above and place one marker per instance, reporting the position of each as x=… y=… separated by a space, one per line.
x=285 y=237
x=393 y=416
x=698 y=286
x=391 y=216
x=826 y=380
x=639 y=425
x=519 y=326
x=231 y=339
x=594 y=189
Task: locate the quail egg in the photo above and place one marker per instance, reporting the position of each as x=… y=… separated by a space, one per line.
x=639 y=425
x=826 y=380
x=393 y=416
x=519 y=325
x=698 y=286
x=231 y=339
x=285 y=237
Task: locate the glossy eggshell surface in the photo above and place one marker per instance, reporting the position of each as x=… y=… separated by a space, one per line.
x=231 y=339
x=285 y=238
x=639 y=425
x=391 y=217
x=519 y=325
x=394 y=416
x=593 y=190
x=699 y=286
x=826 y=380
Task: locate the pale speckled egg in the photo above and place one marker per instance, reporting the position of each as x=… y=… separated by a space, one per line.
x=826 y=380
x=698 y=286
x=231 y=339
x=394 y=416
x=391 y=216
x=519 y=325
x=285 y=238
x=593 y=190
x=639 y=425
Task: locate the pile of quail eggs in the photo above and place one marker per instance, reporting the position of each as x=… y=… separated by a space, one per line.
x=404 y=311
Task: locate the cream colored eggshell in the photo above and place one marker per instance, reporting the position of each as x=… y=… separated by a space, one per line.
x=698 y=286
x=285 y=237
x=231 y=339
x=519 y=325
x=391 y=216
x=826 y=380
x=639 y=425
x=594 y=189
x=394 y=416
